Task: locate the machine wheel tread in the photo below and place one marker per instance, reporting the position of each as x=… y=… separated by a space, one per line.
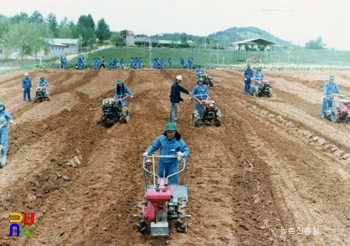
x=125 y=118
x=218 y=118
x=141 y=224
x=2 y=156
x=195 y=118
x=181 y=225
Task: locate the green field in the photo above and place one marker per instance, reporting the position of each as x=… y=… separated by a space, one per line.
x=212 y=58
x=280 y=59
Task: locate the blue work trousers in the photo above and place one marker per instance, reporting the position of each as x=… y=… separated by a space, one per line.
x=168 y=169
x=326 y=104
x=26 y=92
x=4 y=137
x=247 y=84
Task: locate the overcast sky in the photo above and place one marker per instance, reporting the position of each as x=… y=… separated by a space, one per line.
x=297 y=21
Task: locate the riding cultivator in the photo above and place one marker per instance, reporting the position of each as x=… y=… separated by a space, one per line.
x=162 y=202
x=113 y=111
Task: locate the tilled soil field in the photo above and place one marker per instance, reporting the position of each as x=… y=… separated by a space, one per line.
x=274 y=173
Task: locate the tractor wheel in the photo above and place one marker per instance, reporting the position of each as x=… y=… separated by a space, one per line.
x=2 y=156
x=211 y=82
x=141 y=224
x=125 y=118
x=195 y=118
x=181 y=225
x=269 y=94
x=49 y=98
x=335 y=117
x=254 y=92
x=106 y=122
x=218 y=118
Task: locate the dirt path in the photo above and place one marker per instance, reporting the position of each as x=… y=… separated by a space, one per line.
x=72 y=56
x=273 y=174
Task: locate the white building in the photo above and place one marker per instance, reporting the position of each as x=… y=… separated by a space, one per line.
x=130 y=38
x=55 y=47
x=253 y=44
x=162 y=41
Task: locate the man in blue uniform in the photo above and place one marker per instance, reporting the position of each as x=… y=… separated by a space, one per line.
x=139 y=65
x=4 y=119
x=62 y=61
x=175 y=98
x=83 y=63
x=257 y=78
x=170 y=62
x=120 y=92
x=328 y=93
x=26 y=87
x=43 y=83
x=199 y=71
x=170 y=143
x=121 y=63
x=182 y=63
x=248 y=74
x=201 y=92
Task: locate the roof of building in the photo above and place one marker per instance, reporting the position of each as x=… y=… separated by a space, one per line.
x=131 y=33
x=255 y=41
x=162 y=41
x=63 y=42
x=142 y=39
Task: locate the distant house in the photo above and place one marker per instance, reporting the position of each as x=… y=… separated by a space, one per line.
x=253 y=44
x=130 y=38
x=54 y=47
x=161 y=41
x=142 y=39
x=57 y=47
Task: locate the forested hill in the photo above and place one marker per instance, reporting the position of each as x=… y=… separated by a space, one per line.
x=235 y=34
x=224 y=38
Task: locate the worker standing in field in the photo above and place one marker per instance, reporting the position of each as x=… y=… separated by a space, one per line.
x=26 y=87
x=139 y=65
x=175 y=98
x=131 y=65
x=248 y=74
x=121 y=63
x=182 y=63
x=170 y=62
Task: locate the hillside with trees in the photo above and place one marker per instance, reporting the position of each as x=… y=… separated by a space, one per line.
x=222 y=38
x=236 y=34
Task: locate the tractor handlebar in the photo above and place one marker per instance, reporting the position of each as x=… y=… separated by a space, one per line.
x=161 y=156
x=4 y=123
x=123 y=98
x=335 y=96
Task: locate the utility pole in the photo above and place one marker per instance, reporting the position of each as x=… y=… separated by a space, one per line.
x=150 y=51
x=80 y=44
x=217 y=53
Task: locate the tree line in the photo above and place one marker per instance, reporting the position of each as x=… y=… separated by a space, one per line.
x=26 y=34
